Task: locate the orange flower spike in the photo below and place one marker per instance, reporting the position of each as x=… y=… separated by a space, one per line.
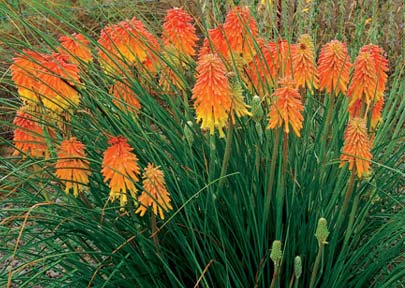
x=381 y=67
x=364 y=80
x=24 y=73
x=357 y=147
x=72 y=168
x=29 y=137
x=75 y=47
x=212 y=94
x=57 y=82
x=126 y=42
x=287 y=107
x=282 y=57
x=334 y=67
x=124 y=97
x=240 y=30
x=120 y=167
x=155 y=193
x=178 y=31
x=261 y=70
x=305 y=71
x=215 y=43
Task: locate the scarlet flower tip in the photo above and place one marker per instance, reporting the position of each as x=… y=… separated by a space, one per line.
x=46 y=79
x=357 y=147
x=71 y=167
x=240 y=31
x=212 y=94
x=155 y=193
x=364 y=81
x=334 y=67
x=282 y=56
x=29 y=136
x=178 y=31
x=120 y=167
x=75 y=46
x=287 y=107
x=126 y=42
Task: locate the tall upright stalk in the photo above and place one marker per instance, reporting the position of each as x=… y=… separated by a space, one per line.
x=274 y=157
x=280 y=191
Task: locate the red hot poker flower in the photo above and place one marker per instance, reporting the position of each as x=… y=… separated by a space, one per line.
x=179 y=32
x=357 y=147
x=72 y=167
x=120 y=167
x=334 y=67
x=287 y=107
x=155 y=193
x=212 y=94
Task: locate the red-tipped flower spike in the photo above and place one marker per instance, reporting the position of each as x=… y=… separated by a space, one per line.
x=381 y=67
x=76 y=47
x=241 y=29
x=120 y=167
x=282 y=57
x=24 y=73
x=357 y=147
x=29 y=137
x=212 y=94
x=305 y=72
x=334 y=67
x=287 y=107
x=215 y=43
x=57 y=81
x=261 y=70
x=46 y=79
x=72 y=168
x=179 y=32
x=124 y=97
x=364 y=81
x=155 y=193
x=128 y=42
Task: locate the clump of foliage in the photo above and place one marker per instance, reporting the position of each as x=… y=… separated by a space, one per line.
x=173 y=159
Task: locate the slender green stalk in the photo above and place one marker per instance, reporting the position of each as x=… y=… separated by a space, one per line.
x=227 y=153
x=316 y=265
x=275 y=276
x=274 y=157
x=349 y=229
x=280 y=191
x=327 y=125
x=349 y=191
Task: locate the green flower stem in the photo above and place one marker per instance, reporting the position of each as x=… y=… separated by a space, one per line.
x=316 y=265
x=280 y=191
x=227 y=153
x=351 y=220
x=275 y=276
x=272 y=171
x=154 y=232
x=348 y=195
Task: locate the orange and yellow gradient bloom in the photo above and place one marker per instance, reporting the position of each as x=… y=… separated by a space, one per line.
x=357 y=147
x=179 y=32
x=120 y=167
x=305 y=71
x=212 y=94
x=334 y=68
x=287 y=108
x=72 y=168
x=30 y=137
x=155 y=193
x=76 y=47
